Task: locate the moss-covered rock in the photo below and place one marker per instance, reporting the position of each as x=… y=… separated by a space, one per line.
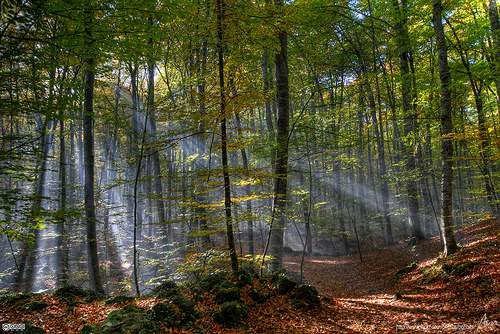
x=464 y=269
x=93 y=295
x=119 y=300
x=257 y=296
x=36 y=306
x=406 y=270
x=131 y=319
x=30 y=329
x=69 y=292
x=228 y=292
x=243 y=278
x=19 y=300
x=179 y=312
x=231 y=313
x=164 y=312
x=88 y=329
x=283 y=284
x=305 y=296
x=166 y=289
x=207 y=283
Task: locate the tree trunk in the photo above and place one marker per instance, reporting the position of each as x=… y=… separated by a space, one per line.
x=281 y=168
x=88 y=152
x=408 y=92
x=248 y=191
x=450 y=245
x=495 y=31
x=225 y=168
x=62 y=235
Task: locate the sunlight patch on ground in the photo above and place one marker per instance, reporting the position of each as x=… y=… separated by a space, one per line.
x=324 y=261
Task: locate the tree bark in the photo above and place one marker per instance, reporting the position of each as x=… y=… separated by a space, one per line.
x=225 y=168
x=450 y=245
x=408 y=93
x=281 y=168
x=495 y=31
x=88 y=153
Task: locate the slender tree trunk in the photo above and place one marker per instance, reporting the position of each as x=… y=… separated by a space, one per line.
x=450 y=245
x=62 y=237
x=281 y=169
x=88 y=152
x=225 y=168
x=495 y=30
x=408 y=92
x=247 y=189
x=266 y=79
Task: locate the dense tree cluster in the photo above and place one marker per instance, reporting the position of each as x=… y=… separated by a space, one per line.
x=157 y=139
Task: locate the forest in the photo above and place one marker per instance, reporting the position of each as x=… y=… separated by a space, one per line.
x=150 y=143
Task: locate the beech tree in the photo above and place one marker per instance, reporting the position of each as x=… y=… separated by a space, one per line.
x=450 y=245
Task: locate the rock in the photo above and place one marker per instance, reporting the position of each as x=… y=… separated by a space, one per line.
x=231 y=313
x=464 y=268
x=406 y=270
x=228 y=292
x=163 y=312
x=283 y=284
x=70 y=292
x=257 y=296
x=209 y=282
x=119 y=300
x=88 y=329
x=131 y=320
x=243 y=278
x=36 y=306
x=305 y=296
x=166 y=289
x=30 y=329
x=180 y=311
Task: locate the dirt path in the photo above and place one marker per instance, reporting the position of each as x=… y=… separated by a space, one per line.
x=360 y=296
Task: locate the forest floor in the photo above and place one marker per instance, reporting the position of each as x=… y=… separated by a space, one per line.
x=458 y=294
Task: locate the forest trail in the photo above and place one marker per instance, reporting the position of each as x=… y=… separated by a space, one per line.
x=369 y=301
x=460 y=294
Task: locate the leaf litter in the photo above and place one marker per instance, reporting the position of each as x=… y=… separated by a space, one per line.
x=458 y=294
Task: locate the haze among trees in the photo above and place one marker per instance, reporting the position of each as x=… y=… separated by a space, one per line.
x=143 y=141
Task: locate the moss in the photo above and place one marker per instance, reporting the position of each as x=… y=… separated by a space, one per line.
x=119 y=300
x=406 y=270
x=243 y=278
x=464 y=268
x=232 y=313
x=283 y=284
x=17 y=299
x=36 y=306
x=257 y=296
x=70 y=292
x=228 y=292
x=307 y=295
